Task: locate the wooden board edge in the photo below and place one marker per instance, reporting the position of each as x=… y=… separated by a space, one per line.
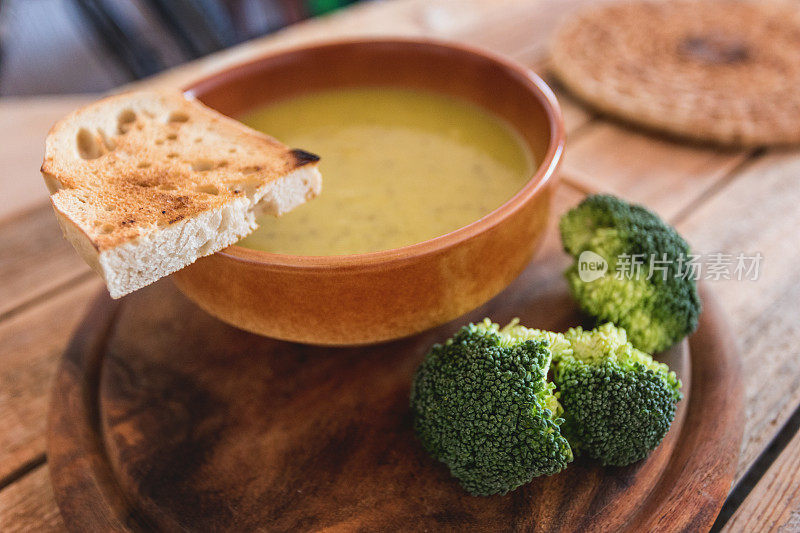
x=78 y=470
x=77 y=460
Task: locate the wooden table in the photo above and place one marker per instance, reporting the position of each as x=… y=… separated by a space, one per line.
x=723 y=201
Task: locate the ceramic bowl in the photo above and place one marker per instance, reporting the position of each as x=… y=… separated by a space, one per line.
x=373 y=297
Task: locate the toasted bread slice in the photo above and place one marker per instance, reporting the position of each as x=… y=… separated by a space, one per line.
x=145 y=183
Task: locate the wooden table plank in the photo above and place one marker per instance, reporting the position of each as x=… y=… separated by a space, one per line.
x=24 y=123
x=774 y=503
x=575 y=116
x=34 y=258
x=519 y=29
x=664 y=174
x=758 y=212
x=33 y=342
x=29 y=505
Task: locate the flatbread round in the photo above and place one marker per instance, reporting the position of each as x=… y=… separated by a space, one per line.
x=726 y=72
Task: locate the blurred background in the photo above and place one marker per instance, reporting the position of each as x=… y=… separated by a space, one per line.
x=77 y=46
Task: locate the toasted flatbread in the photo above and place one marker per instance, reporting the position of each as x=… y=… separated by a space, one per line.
x=145 y=183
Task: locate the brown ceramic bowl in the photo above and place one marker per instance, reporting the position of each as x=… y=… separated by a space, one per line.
x=372 y=297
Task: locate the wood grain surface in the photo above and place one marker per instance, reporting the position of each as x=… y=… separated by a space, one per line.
x=722 y=201
x=25 y=122
x=35 y=258
x=28 y=505
x=183 y=422
x=774 y=503
x=33 y=342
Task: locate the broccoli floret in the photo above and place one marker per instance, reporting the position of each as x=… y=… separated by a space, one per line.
x=618 y=402
x=483 y=406
x=656 y=312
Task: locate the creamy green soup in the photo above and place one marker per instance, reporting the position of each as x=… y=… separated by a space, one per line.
x=398 y=166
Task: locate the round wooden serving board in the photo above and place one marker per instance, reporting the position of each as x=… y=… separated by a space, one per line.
x=165 y=418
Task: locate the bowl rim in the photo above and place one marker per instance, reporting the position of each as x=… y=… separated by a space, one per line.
x=542 y=174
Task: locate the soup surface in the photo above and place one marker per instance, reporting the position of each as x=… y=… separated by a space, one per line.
x=399 y=167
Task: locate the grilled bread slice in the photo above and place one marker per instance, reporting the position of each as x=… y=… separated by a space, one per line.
x=145 y=183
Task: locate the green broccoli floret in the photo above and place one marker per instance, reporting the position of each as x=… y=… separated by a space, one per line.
x=483 y=406
x=656 y=312
x=618 y=402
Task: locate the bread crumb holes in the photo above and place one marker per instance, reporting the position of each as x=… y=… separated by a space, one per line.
x=89 y=146
x=202 y=165
x=177 y=117
x=124 y=121
x=209 y=188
